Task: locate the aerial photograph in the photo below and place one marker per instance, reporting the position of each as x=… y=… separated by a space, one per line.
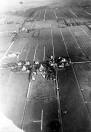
x=45 y=65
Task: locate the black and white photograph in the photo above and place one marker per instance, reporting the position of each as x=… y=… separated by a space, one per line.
x=45 y=65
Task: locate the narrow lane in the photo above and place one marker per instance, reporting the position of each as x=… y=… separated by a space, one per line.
x=46 y=105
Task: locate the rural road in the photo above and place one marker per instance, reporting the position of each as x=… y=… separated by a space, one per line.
x=42 y=105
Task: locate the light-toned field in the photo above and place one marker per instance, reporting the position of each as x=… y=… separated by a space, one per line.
x=42 y=105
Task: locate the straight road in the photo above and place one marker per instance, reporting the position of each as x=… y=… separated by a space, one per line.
x=43 y=105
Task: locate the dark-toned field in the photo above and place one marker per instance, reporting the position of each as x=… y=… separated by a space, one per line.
x=42 y=105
